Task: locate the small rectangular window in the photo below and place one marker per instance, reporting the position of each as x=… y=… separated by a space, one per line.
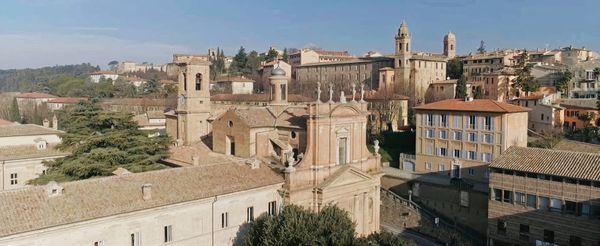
x=427 y=166
x=507 y=196
x=555 y=205
x=135 y=239
x=520 y=198
x=574 y=241
x=14 y=179
x=472 y=122
x=99 y=243
x=523 y=232
x=224 y=220
x=249 y=214
x=458 y=136
x=443 y=134
x=472 y=137
x=456 y=153
x=548 y=236
x=273 y=208
x=501 y=226
x=168 y=231
x=544 y=203
x=471 y=171
x=531 y=201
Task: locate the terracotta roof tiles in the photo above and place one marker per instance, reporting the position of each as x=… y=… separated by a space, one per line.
x=569 y=164
x=476 y=105
x=35 y=95
x=32 y=208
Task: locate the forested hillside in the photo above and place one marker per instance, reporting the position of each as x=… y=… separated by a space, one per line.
x=38 y=79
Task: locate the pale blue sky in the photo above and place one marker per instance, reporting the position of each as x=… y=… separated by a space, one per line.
x=36 y=33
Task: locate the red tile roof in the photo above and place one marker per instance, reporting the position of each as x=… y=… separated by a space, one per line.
x=476 y=105
x=66 y=100
x=332 y=53
x=35 y=95
x=6 y=122
x=256 y=97
x=232 y=79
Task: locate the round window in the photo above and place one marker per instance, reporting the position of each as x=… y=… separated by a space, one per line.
x=293 y=134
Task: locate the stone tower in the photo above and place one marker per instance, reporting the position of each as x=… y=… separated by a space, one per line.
x=402 y=61
x=279 y=87
x=193 y=104
x=450 y=45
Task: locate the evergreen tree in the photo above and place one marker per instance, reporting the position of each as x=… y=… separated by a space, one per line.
x=100 y=142
x=152 y=86
x=562 y=84
x=298 y=226
x=461 y=87
x=239 y=64
x=525 y=81
x=285 y=55
x=454 y=68
x=13 y=111
x=253 y=64
x=271 y=55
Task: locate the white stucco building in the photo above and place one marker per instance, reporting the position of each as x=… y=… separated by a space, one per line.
x=200 y=205
x=23 y=149
x=97 y=76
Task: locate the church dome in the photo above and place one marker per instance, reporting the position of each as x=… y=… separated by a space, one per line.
x=278 y=72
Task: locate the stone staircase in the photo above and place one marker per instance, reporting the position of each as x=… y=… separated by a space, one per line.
x=401 y=214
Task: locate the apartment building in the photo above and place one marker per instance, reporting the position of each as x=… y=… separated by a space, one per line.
x=306 y=56
x=545 y=115
x=458 y=138
x=488 y=62
x=496 y=85
x=544 y=197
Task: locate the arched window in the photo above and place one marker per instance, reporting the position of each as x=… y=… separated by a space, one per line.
x=184 y=81
x=198 y=81
x=451 y=47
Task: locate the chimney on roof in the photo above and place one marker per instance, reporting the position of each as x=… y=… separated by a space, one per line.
x=46 y=123
x=53 y=189
x=147 y=192
x=253 y=163
x=54 y=122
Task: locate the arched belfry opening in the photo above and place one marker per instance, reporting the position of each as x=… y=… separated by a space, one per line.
x=198 y=81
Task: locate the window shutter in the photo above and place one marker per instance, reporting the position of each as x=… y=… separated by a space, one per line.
x=492 y=125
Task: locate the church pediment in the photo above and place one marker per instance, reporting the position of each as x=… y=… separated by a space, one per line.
x=343 y=177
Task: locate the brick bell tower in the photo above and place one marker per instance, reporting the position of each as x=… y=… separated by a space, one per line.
x=193 y=103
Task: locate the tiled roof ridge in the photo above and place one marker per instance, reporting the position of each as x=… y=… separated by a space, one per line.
x=499 y=105
x=553 y=150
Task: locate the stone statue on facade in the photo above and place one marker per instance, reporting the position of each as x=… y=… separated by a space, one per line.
x=376 y=147
x=330 y=93
x=353 y=92
x=342 y=97
x=362 y=93
x=181 y=100
x=290 y=162
x=318 y=92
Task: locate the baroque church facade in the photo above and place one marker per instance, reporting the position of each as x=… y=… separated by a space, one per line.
x=319 y=148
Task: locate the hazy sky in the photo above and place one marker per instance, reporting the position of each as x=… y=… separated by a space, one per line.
x=36 y=33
